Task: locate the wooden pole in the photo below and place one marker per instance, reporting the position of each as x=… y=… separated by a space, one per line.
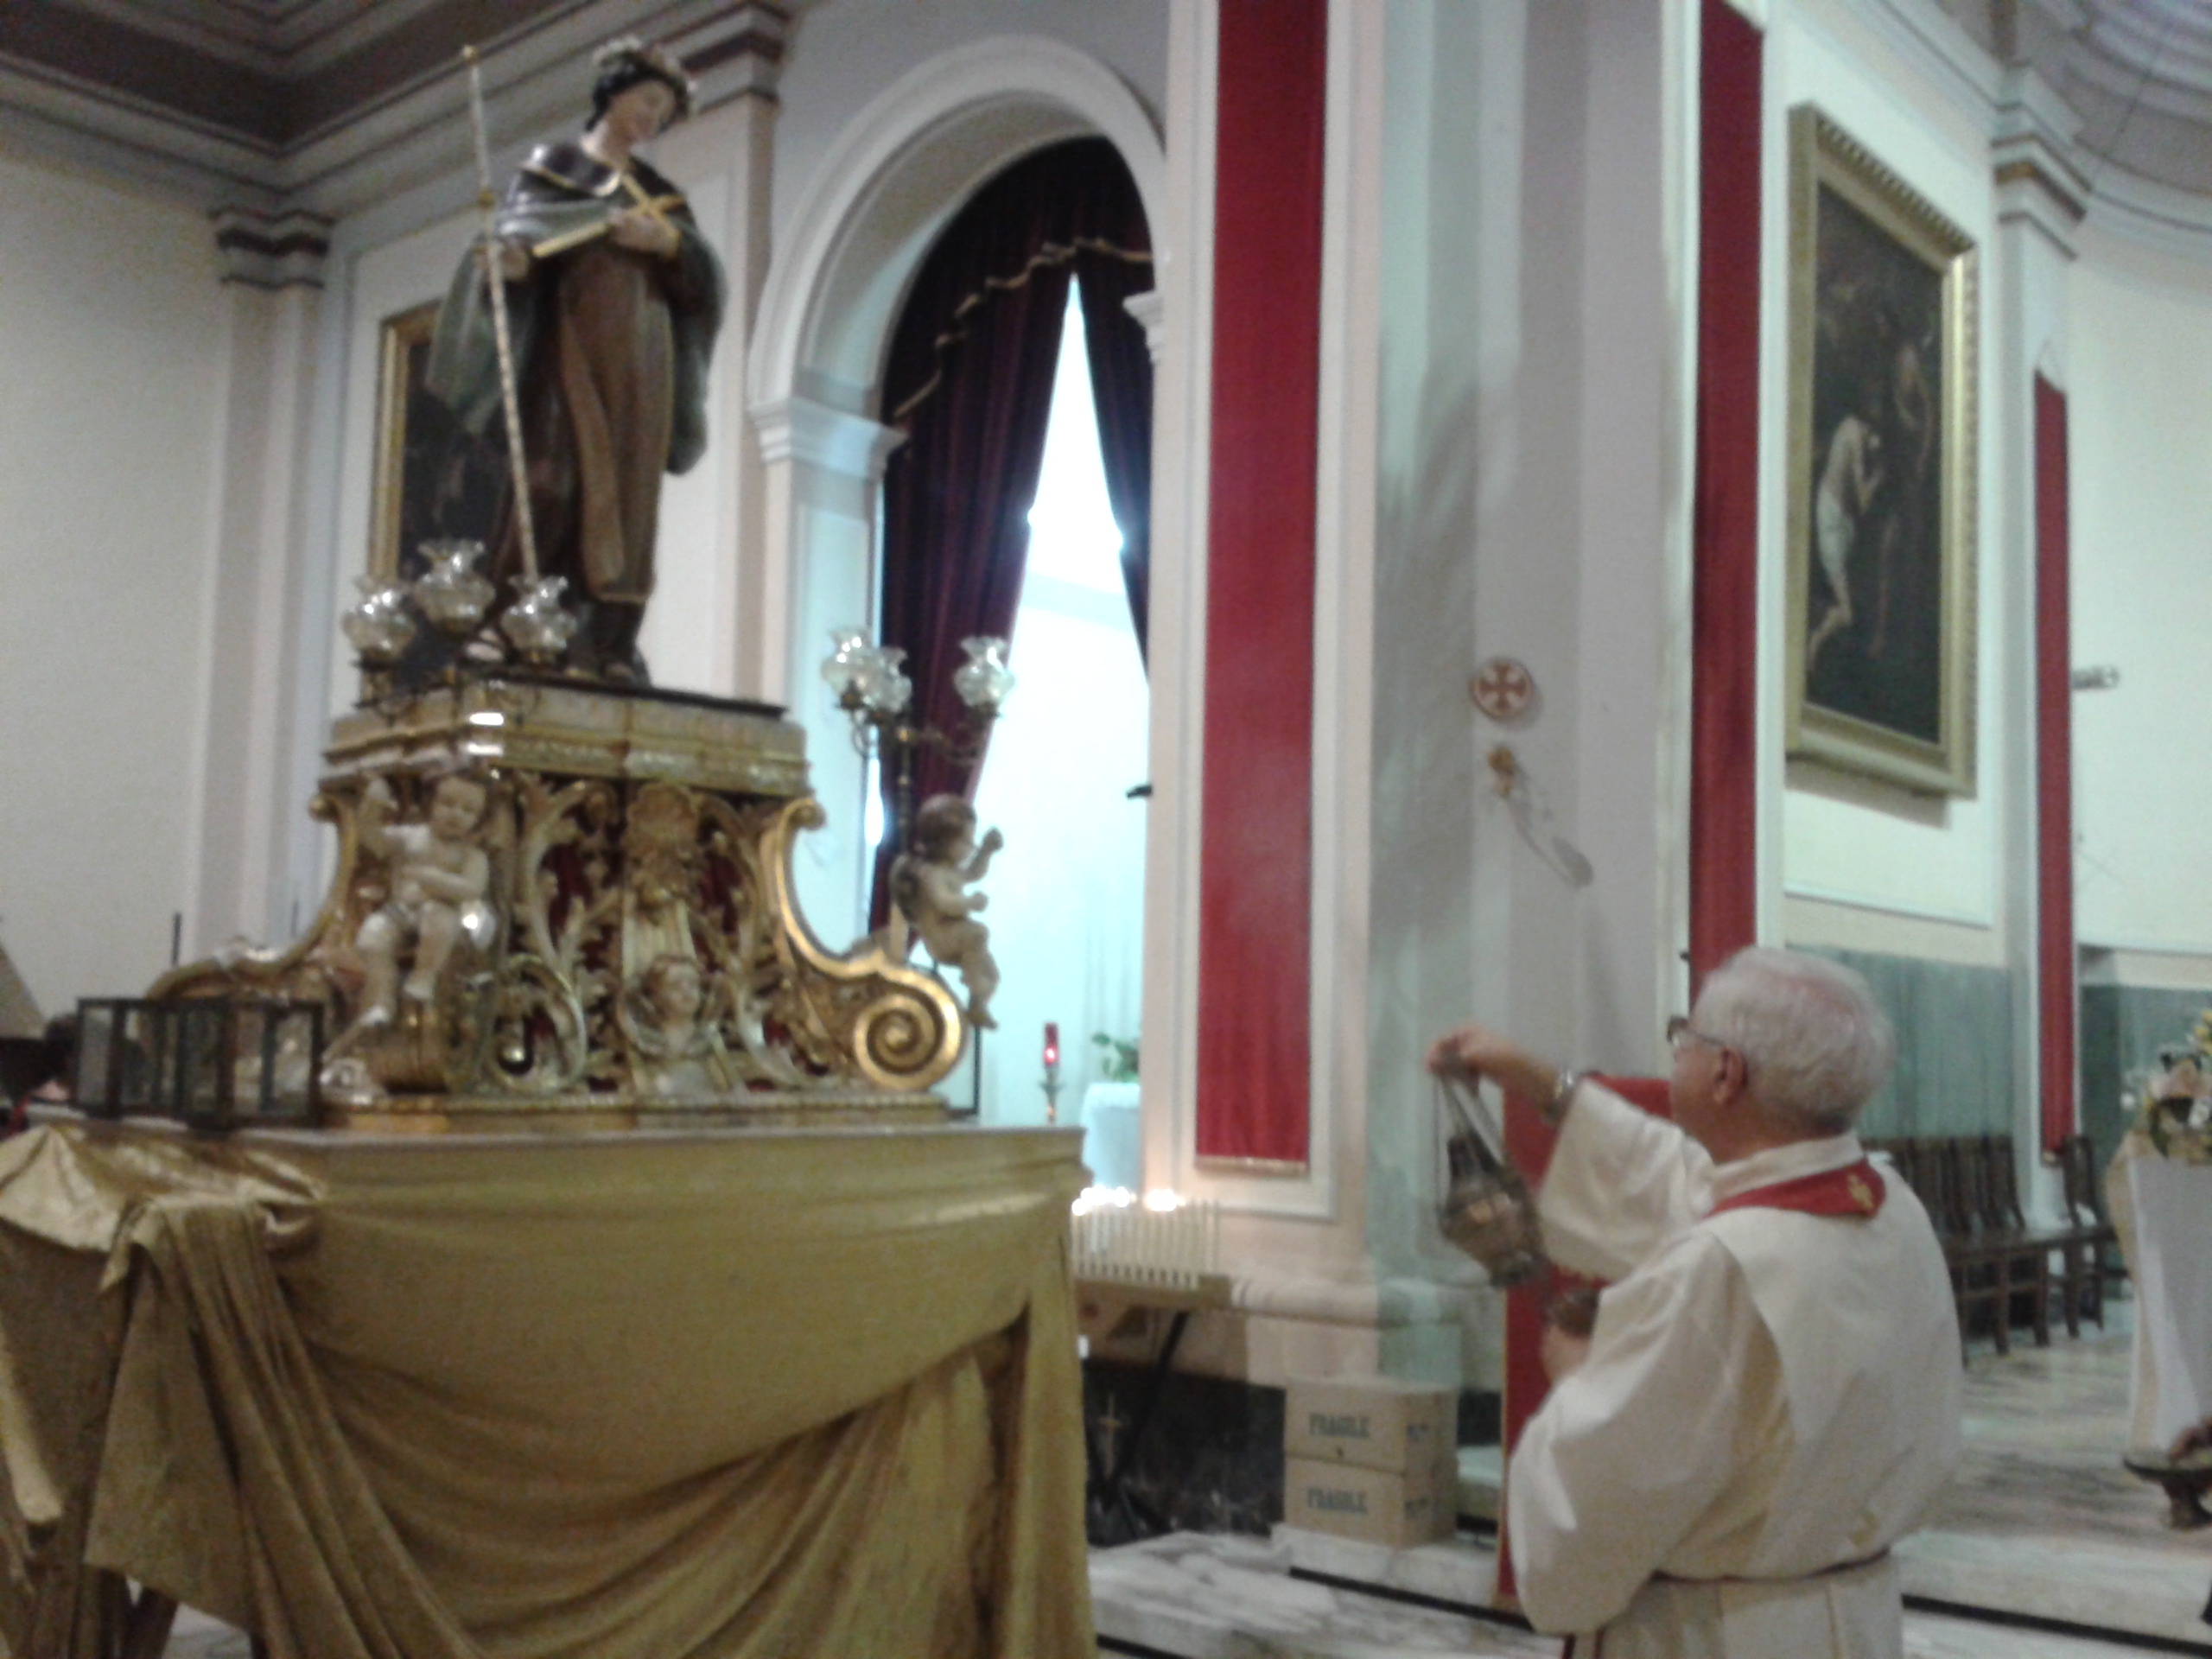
x=496 y=283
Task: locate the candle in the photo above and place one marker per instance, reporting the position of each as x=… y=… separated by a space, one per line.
x=1051 y=1043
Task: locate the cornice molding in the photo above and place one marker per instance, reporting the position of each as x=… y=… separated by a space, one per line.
x=271 y=250
x=2041 y=166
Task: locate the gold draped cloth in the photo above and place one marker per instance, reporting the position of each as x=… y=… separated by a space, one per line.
x=719 y=1394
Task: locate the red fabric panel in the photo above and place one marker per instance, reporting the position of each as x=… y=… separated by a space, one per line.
x=2055 y=989
x=1529 y=1144
x=1255 y=859
x=1724 y=698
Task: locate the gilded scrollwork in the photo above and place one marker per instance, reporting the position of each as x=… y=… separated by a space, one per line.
x=639 y=940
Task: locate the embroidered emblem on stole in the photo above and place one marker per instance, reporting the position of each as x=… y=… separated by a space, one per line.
x=1855 y=1192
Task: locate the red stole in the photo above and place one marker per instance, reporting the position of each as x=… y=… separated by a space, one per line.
x=1856 y=1191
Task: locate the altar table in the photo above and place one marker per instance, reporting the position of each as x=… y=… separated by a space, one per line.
x=714 y=1394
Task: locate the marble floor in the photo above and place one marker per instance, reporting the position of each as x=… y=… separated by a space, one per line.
x=2043 y=1519
x=2044 y=1522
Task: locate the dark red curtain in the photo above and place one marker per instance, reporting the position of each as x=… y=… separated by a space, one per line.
x=970 y=381
x=1256 y=843
x=1120 y=387
x=1723 y=650
x=2056 y=994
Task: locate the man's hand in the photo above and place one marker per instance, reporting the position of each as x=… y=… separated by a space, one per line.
x=645 y=232
x=1563 y=1354
x=1475 y=1051
x=514 y=261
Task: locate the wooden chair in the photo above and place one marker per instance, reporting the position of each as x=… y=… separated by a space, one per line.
x=2023 y=1252
x=2090 y=1234
x=1930 y=1168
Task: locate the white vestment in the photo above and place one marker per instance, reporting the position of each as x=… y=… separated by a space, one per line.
x=1770 y=1399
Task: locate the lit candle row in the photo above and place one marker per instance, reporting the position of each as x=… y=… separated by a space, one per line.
x=1165 y=1239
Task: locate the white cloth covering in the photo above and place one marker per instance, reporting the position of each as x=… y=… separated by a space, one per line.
x=1770 y=1399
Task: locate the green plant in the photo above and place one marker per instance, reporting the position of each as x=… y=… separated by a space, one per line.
x=1117 y=1060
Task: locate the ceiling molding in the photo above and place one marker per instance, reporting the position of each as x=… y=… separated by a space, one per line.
x=352 y=103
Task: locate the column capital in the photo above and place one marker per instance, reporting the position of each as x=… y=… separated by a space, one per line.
x=1147 y=308
x=799 y=429
x=2032 y=162
x=272 y=251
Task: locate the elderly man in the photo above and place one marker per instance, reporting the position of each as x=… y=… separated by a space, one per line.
x=1769 y=1396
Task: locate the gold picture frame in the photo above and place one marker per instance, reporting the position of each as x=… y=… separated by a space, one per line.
x=1883 y=458
x=403 y=347
x=432 y=480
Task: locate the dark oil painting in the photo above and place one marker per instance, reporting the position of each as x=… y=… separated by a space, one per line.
x=1874 y=594
x=449 y=484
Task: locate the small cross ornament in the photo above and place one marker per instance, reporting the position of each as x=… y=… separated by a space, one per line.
x=1504 y=690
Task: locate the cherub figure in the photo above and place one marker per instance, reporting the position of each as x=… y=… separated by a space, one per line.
x=929 y=884
x=678 y=1053
x=439 y=877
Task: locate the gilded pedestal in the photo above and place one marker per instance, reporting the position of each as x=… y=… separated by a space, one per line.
x=595 y=927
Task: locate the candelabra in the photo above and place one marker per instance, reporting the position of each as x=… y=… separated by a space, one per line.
x=873 y=690
x=455 y=597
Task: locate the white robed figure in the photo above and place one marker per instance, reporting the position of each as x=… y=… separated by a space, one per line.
x=1769 y=1396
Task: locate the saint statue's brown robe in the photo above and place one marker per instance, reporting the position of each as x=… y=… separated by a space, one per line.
x=611 y=349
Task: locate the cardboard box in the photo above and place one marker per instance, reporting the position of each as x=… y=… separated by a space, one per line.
x=1378 y=1507
x=1376 y=1422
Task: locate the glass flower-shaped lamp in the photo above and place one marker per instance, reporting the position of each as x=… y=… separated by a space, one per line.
x=884 y=686
x=847 y=662
x=535 y=624
x=984 y=680
x=451 y=593
x=378 y=624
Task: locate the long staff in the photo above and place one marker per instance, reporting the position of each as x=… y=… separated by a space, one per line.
x=497 y=283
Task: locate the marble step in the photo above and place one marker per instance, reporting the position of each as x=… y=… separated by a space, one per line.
x=1213 y=1596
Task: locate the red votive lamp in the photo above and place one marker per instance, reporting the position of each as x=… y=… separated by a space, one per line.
x=1051 y=1084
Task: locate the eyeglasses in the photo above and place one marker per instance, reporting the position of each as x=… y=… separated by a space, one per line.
x=1679 y=1031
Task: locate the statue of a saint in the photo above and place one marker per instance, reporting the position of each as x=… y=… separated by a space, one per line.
x=614 y=300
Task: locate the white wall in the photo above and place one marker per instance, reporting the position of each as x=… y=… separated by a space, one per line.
x=113 y=342
x=1844 y=840
x=2140 y=425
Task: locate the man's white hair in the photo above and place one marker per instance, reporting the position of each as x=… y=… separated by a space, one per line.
x=1815 y=1044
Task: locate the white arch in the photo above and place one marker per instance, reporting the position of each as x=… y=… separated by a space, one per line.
x=897 y=174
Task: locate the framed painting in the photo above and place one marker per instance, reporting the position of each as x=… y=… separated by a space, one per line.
x=431 y=481
x=1882 y=457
